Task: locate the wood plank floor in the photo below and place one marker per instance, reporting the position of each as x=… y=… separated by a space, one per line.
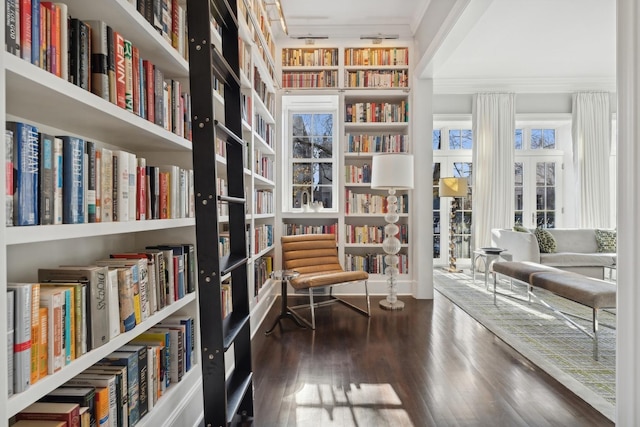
x=428 y=365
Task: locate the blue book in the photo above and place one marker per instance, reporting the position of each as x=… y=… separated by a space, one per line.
x=73 y=165
x=68 y=339
x=26 y=154
x=35 y=33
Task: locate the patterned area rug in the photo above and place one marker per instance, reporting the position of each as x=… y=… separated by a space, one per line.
x=554 y=345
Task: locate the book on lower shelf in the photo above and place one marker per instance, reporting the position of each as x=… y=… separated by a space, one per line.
x=52 y=411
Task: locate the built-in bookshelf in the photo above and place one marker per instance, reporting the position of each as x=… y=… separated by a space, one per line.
x=310 y=68
x=40 y=94
x=375 y=122
x=380 y=67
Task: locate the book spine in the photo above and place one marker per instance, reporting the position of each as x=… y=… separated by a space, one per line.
x=98 y=185
x=114 y=303
x=149 y=90
x=35 y=332
x=99 y=59
x=99 y=312
x=85 y=57
x=158 y=96
x=35 y=32
x=52 y=301
x=141 y=191
x=57 y=181
x=26 y=164
x=90 y=192
x=120 y=69
x=22 y=338
x=106 y=181
x=128 y=73
x=9 y=181
x=135 y=79
x=114 y=187
x=122 y=184
x=46 y=179
x=63 y=19
x=10 y=339
x=74 y=51
x=111 y=66
x=133 y=179
x=54 y=11
x=66 y=329
x=25 y=29
x=126 y=300
x=12 y=26
x=43 y=342
x=72 y=181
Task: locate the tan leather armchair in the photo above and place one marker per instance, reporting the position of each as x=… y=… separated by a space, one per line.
x=315 y=257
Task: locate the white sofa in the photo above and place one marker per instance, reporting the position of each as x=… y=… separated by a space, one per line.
x=577 y=249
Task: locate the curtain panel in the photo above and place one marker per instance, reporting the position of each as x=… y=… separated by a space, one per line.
x=493 y=164
x=591 y=135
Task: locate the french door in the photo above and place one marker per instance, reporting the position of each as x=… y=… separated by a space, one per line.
x=538 y=191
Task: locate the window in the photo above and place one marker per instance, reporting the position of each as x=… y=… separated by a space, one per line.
x=310 y=128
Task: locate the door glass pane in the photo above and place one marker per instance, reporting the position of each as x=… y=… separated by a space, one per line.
x=322 y=173
x=301 y=124
x=551 y=173
x=322 y=147
x=549 y=138
x=540 y=198
x=323 y=193
x=518 y=139
x=322 y=125
x=436 y=140
x=551 y=198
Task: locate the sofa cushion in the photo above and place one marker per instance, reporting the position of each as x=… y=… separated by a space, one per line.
x=606 y=240
x=521 y=229
x=575 y=239
x=546 y=241
x=577 y=259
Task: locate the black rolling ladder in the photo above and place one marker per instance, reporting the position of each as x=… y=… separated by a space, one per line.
x=227 y=401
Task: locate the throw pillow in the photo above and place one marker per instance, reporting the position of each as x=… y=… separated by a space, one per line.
x=546 y=241
x=520 y=228
x=607 y=240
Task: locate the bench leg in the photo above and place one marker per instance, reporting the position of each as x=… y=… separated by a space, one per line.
x=595 y=334
x=313 y=311
x=495 y=275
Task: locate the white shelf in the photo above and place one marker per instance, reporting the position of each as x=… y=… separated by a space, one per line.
x=18 y=402
x=375 y=126
x=263 y=252
x=264 y=216
x=262 y=145
x=263 y=182
x=372 y=215
x=376 y=67
x=369 y=245
x=63 y=105
x=261 y=109
x=310 y=68
x=358 y=184
x=47 y=233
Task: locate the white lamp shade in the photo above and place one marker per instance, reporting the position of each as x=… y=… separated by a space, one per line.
x=453 y=187
x=392 y=171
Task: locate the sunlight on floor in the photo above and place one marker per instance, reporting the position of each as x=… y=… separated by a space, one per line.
x=354 y=405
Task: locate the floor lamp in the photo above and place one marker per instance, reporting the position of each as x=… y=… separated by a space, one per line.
x=453 y=187
x=392 y=172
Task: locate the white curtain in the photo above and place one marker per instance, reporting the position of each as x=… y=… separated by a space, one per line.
x=591 y=134
x=494 y=121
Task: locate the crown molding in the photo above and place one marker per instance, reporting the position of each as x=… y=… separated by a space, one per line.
x=524 y=85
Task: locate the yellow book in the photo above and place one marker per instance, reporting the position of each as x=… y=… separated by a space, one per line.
x=43 y=342
x=102 y=406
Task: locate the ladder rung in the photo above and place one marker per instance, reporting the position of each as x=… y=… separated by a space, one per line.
x=228 y=132
x=231 y=199
x=222 y=67
x=231 y=262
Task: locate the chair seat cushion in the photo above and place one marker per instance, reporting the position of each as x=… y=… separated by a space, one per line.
x=319 y=279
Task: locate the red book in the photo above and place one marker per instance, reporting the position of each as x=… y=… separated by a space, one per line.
x=68 y=412
x=120 y=69
x=25 y=29
x=141 y=190
x=149 y=88
x=135 y=68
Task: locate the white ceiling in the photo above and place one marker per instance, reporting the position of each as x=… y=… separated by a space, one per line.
x=493 y=44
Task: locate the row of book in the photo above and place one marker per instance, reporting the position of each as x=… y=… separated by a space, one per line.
x=317 y=57
x=296 y=229
x=262 y=268
x=365 y=203
x=373 y=233
x=93 y=56
x=376 y=143
x=375 y=112
x=264 y=165
x=74 y=309
x=306 y=79
x=264 y=202
x=123 y=387
x=377 y=78
x=265 y=130
x=376 y=56
x=67 y=180
x=262 y=237
x=226 y=298
x=374 y=263
x=268 y=98
x=357 y=174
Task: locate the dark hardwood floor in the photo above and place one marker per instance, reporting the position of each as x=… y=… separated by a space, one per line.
x=428 y=365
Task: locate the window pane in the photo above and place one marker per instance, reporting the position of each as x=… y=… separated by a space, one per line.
x=324 y=194
x=436 y=140
x=301 y=148
x=518 y=218
x=467 y=139
x=536 y=139
x=322 y=147
x=301 y=173
x=551 y=220
x=519 y=174
x=551 y=174
x=322 y=173
x=322 y=125
x=519 y=200
x=518 y=139
x=540 y=203
x=301 y=124
x=298 y=192
x=549 y=139
x=436 y=246
x=540 y=174
x=436 y=223
x=454 y=140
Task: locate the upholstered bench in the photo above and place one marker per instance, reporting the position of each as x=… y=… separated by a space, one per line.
x=594 y=293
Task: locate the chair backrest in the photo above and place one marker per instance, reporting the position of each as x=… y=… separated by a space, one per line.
x=310 y=253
